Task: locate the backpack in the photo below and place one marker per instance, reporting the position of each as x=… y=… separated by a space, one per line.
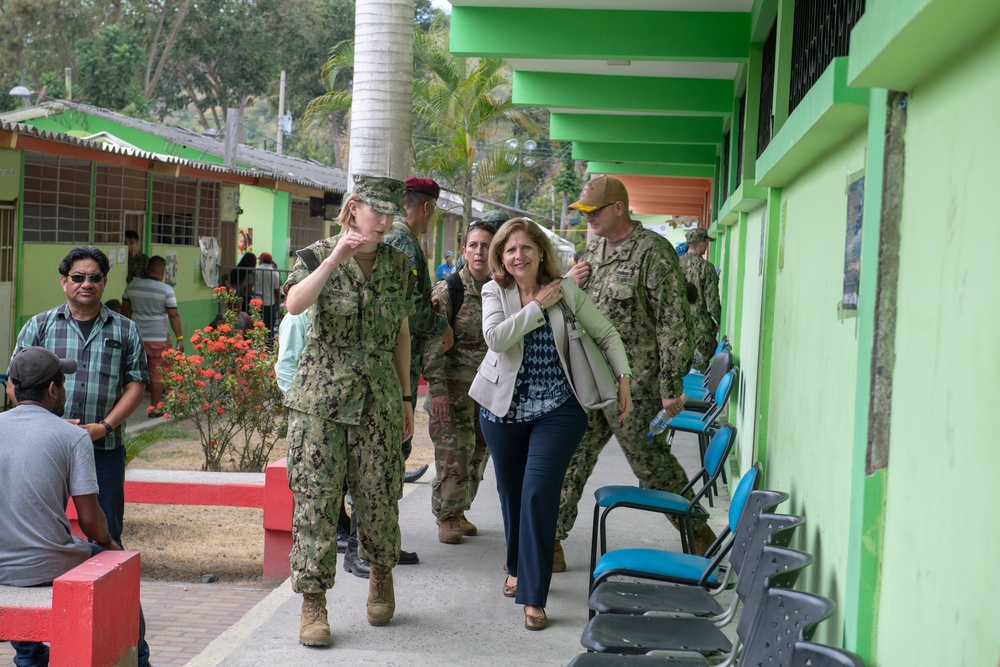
x=456 y=292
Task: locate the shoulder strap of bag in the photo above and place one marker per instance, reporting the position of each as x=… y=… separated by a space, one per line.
x=456 y=292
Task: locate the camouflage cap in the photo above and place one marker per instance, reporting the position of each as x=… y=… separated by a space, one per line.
x=497 y=217
x=381 y=193
x=697 y=235
x=599 y=192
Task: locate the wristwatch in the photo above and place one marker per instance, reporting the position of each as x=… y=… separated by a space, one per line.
x=624 y=375
x=107 y=427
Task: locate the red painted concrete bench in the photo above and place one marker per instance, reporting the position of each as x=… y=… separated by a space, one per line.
x=89 y=616
x=268 y=491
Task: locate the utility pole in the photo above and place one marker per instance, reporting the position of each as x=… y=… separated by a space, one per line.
x=281 y=113
x=232 y=136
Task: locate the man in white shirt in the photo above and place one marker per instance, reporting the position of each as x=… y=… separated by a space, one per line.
x=151 y=304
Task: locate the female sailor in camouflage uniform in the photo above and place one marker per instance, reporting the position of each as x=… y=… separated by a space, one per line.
x=460 y=452
x=347 y=405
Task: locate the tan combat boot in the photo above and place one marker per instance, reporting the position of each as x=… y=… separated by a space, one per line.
x=381 y=596
x=449 y=530
x=314 y=629
x=465 y=526
x=559 y=559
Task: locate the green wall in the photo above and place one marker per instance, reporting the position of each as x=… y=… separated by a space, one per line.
x=748 y=352
x=258 y=209
x=939 y=576
x=810 y=426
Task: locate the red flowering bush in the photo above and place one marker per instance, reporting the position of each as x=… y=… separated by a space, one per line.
x=227 y=388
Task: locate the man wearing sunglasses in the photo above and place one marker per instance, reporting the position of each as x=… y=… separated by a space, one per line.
x=634 y=277
x=111 y=375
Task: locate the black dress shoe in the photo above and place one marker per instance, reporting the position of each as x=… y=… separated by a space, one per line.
x=408 y=557
x=414 y=475
x=355 y=564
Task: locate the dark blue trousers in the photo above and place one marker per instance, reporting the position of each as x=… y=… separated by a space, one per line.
x=530 y=460
x=110 y=464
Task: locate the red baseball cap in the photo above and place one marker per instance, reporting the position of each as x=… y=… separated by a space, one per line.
x=264 y=257
x=425 y=186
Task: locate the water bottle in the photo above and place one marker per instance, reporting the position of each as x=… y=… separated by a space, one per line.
x=661 y=421
x=658 y=425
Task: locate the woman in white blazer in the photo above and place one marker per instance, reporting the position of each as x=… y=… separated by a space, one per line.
x=530 y=416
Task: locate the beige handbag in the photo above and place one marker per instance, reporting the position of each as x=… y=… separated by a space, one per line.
x=590 y=375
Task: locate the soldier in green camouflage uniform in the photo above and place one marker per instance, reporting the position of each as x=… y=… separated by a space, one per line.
x=346 y=410
x=418 y=203
x=706 y=312
x=633 y=276
x=460 y=452
x=137 y=261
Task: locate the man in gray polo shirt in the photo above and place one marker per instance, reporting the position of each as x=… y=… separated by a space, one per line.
x=45 y=460
x=151 y=304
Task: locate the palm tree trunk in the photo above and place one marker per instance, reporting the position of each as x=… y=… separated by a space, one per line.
x=382 y=107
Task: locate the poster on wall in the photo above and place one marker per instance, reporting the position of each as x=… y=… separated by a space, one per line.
x=210 y=253
x=852 y=249
x=170 y=273
x=244 y=242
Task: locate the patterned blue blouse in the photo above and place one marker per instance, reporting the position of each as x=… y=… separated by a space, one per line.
x=541 y=384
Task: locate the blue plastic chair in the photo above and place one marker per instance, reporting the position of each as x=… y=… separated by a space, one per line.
x=673 y=567
x=807 y=654
x=703 y=424
x=611 y=633
x=669 y=504
x=757 y=528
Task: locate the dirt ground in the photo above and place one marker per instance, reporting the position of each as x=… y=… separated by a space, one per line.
x=181 y=543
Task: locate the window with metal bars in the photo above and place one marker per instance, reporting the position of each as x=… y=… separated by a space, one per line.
x=821 y=32
x=209 y=209
x=305 y=229
x=56 y=199
x=765 y=123
x=175 y=203
x=119 y=202
x=740 y=133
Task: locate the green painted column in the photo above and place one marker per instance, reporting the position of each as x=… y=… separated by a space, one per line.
x=773 y=222
x=281 y=228
x=749 y=134
x=867 y=492
x=783 y=71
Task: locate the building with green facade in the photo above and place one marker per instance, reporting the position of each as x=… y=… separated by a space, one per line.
x=842 y=154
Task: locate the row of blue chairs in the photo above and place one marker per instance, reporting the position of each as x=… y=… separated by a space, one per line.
x=672 y=615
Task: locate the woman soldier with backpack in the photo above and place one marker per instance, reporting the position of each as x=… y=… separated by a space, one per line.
x=460 y=452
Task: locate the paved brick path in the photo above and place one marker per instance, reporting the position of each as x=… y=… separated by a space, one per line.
x=182 y=619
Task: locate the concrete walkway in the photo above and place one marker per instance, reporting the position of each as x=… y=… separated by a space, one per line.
x=449 y=609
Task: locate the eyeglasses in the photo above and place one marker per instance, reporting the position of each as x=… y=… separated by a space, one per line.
x=95 y=278
x=593 y=214
x=480 y=224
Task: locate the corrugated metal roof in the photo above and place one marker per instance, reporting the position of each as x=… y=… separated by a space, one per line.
x=263 y=164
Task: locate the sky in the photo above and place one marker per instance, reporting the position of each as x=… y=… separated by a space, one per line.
x=442 y=4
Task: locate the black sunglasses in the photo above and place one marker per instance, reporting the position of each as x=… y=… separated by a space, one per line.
x=95 y=278
x=480 y=224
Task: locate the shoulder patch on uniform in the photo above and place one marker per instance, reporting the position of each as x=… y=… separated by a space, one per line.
x=309 y=258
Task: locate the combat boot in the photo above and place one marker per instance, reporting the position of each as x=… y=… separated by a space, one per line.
x=559 y=558
x=449 y=530
x=381 y=596
x=314 y=629
x=465 y=526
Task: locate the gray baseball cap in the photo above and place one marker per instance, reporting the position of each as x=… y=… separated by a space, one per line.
x=36 y=366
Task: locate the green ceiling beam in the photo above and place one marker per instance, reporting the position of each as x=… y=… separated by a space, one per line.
x=633 y=169
x=599 y=34
x=653 y=153
x=635 y=129
x=623 y=93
